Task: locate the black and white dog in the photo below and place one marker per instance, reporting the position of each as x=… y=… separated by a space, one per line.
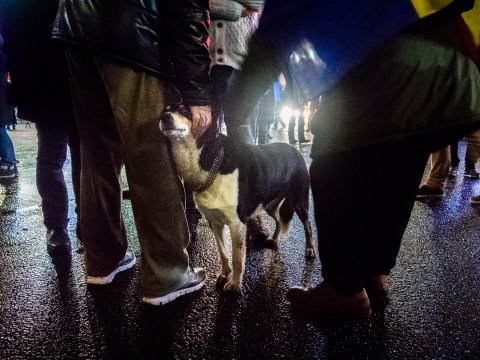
x=230 y=181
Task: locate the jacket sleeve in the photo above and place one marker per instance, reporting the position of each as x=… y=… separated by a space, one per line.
x=189 y=50
x=231 y=9
x=259 y=71
x=255 y=5
x=225 y=9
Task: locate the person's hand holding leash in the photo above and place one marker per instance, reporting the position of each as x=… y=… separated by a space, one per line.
x=201 y=119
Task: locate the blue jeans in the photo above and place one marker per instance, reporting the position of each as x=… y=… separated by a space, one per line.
x=7 y=153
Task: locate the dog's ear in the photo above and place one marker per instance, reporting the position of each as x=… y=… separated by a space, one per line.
x=185 y=111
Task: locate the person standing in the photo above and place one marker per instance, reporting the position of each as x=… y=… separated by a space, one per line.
x=8 y=167
x=472 y=155
x=128 y=60
x=375 y=87
x=233 y=23
x=444 y=163
x=41 y=91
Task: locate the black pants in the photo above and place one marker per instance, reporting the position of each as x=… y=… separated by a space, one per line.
x=221 y=76
x=362 y=206
x=53 y=140
x=300 y=129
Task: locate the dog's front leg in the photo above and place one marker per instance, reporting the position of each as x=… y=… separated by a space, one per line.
x=218 y=229
x=309 y=250
x=237 y=231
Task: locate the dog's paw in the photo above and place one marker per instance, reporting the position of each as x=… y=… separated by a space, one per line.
x=221 y=281
x=232 y=286
x=309 y=253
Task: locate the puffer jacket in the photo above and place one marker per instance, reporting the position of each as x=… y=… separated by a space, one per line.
x=165 y=38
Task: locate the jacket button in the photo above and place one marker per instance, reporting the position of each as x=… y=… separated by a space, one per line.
x=220 y=24
x=219 y=51
x=220 y=59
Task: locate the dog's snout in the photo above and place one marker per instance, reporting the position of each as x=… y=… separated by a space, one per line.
x=167 y=117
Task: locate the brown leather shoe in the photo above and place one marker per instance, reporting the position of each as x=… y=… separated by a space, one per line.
x=324 y=300
x=255 y=229
x=377 y=288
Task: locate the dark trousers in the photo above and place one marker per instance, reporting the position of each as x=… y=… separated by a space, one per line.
x=362 y=209
x=300 y=129
x=117 y=110
x=266 y=116
x=52 y=153
x=221 y=76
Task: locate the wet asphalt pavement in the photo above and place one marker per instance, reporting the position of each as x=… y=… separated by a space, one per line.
x=48 y=312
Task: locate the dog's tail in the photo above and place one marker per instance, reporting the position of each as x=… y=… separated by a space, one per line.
x=284 y=215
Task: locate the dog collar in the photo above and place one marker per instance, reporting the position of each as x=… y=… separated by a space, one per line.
x=213 y=171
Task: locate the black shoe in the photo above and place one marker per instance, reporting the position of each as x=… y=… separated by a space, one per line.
x=58 y=241
x=8 y=171
x=475 y=200
x=195 y=280
x=471 y=173
x=453 y=171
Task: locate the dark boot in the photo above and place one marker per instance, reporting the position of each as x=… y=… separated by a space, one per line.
x=58 y=242
x=325 y=301
x=377 y=289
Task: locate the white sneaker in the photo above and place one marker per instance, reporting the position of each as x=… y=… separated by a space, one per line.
x=196 y=280
x=126 y=263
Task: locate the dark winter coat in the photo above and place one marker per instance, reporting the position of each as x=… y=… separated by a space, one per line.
x=38 y=69
x=165 y=38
